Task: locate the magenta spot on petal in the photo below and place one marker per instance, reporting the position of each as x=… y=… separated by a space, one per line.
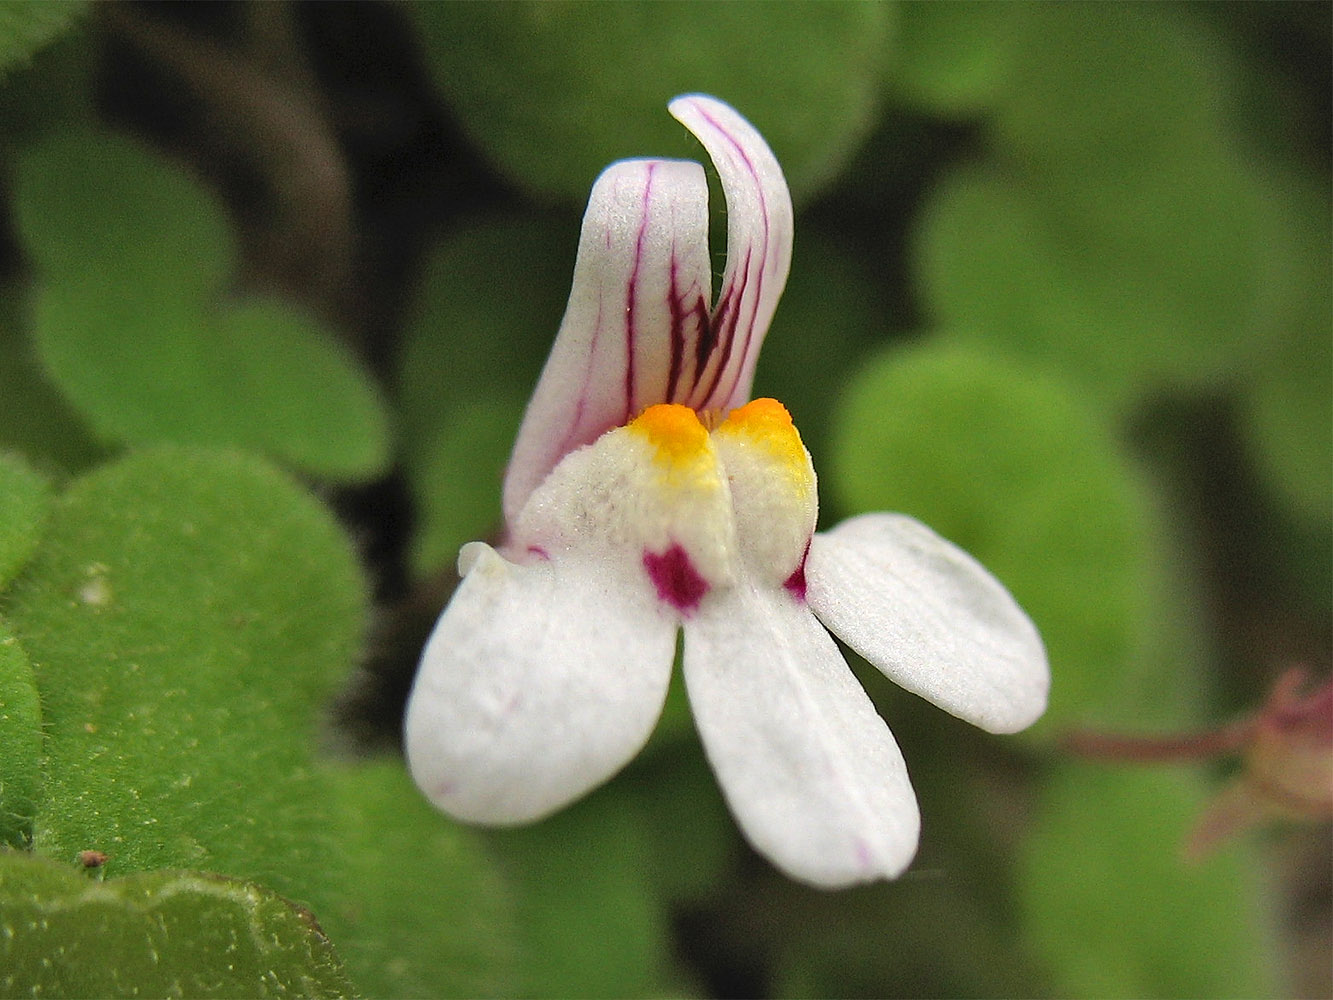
x=795 y=583
x=538 y=551
x=677 y=581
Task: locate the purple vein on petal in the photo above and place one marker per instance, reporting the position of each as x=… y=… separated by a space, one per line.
x=740 y=313
x=758 y=189
x=725 y=322
x=691 y=326
x=677 y=328
x=632 y=291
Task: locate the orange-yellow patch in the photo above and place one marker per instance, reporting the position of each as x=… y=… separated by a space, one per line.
x=674 y=430
x=766 y=422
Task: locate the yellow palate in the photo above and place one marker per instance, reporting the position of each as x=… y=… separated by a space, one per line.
x=674 y=430
x=766 y=422
x=682 y=452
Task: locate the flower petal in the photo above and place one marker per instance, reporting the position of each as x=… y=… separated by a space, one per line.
x=931 y=618
x=637 y=306
x=810 y=771
x=539 y=683
x=759 y=239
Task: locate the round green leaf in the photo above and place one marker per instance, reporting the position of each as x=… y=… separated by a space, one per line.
x=24 y=499
x=1016 y=469
x=20 y=743
x=187 y=615
x=418 y=908
x=100 y=208
x=1126 y=240
x=1101 y=89
x=1124 y=308
x=132 y=255
x=169 y=934
x=555 y=92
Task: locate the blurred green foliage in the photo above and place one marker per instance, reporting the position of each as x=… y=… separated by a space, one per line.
x=131 y=323
x=27 y=25
x=1061 y=289
x=1119 y=913
x=809 y=80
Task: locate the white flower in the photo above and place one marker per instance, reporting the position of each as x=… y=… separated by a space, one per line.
x=645 y=495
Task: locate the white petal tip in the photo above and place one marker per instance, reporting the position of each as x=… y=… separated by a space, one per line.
x=931 y=618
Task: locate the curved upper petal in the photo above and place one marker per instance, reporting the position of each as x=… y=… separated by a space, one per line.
x=638 y=329
x=637 y=307
x=931 y=618
x=759 y=241
x=539 y=682
x=809 y=769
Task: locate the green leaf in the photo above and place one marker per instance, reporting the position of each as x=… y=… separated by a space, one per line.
x=24 y=500
x=182 y=934
x=1113 y=909
x=589 y=923
x=187 y=615
x=35 y=420
x=1171 y=293
x=955 y=59
x=1122 y=234
x=132 y=256
x=20 y=743
x=488 y=307
x=1097 y=90
x=28 y=25
x=1019 y=471
x=418 y=908
x=98 y=207
x=553 y=93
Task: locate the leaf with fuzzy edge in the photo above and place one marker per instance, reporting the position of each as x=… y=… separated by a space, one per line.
x=20 y=743
x=155 y=934
x=24 y=499
x=187 y=616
